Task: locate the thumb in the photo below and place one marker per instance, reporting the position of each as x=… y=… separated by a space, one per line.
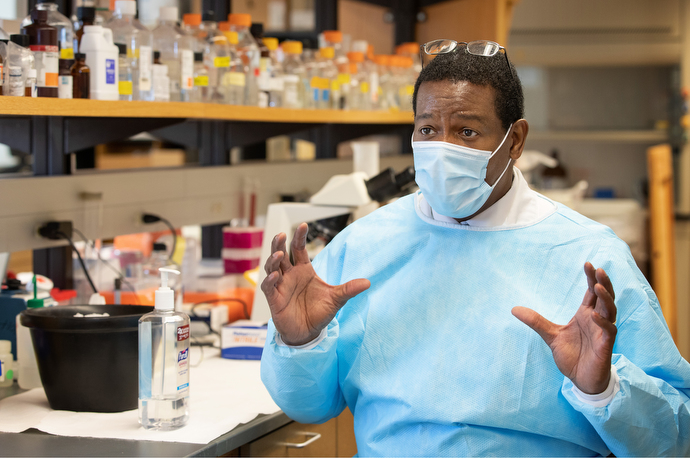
x=345 y=292
x=545 y=328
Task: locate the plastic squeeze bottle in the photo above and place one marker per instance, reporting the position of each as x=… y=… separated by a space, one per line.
x=29 y=376
x=164 y=362
x=102 y=60
x=6 y=364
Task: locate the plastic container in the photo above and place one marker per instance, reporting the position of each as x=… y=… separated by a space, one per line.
x=201 y=89
x=139 y=47
x=164 y=337
x=87 y=364
x=6 y=364
x=234 y=82
x=102 y=60
x=125 y=80
x=176 y=51
x=295 y=76
x=248 y=52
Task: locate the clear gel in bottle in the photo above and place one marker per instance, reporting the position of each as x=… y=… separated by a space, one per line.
x=164 y=362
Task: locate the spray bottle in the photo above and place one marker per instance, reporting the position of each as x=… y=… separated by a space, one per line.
x=164 y=362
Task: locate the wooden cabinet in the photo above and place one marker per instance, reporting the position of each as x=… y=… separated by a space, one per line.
x=333 y=438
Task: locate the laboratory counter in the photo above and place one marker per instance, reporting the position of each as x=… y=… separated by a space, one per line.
x=36 y=443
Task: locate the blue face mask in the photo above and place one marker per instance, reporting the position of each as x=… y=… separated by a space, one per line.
x=452 y=178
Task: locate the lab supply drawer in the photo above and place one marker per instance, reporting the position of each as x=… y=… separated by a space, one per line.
x=333 y=438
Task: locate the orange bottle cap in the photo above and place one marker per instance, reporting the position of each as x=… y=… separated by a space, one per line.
x=333 y=36
x=407 y=48
x=271 y=43
x=355 y=56
x=192 y=19
x=292 y=47
x=244 y=20
x=224 y=26
x=353 y=68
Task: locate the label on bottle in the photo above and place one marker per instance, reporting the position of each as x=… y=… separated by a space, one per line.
x=315 y=82
x=2 y=371
x=276 y=84
x=409 y=90
x=183 y=333
x=47 y=63
x=364 y=87
x=221 y=62
x=110 y=77
x=263 y=99
x=145 y=67
x=236 y=79
x=65 y=86
x=67 y=53
x=183 y=370
x=343 y=78
x=201 y=81
x=291 y=97
x=125 y=87
x=187 y=69
x=335 y=86
x=2 y=75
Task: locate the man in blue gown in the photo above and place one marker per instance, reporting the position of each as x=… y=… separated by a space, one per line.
x=425 y=334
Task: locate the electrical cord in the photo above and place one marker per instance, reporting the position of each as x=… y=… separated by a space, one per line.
x=81 y=261
x=120 y=275
x=149 y=218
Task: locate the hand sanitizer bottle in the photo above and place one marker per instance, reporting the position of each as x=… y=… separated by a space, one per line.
x=164 y=362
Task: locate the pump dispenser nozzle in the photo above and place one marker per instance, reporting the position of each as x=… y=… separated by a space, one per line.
x=165 y=297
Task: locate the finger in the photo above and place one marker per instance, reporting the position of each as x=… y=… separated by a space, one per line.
x=606 y=306
x=607 y=327
x=285 y=263
x=604 y=280
x=347 y=291
x=268 y=286
x=299 y=245
x=590 y=272
x=542 y=326
x=273 y=262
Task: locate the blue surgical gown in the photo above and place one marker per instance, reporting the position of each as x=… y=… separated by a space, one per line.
x=431 y=361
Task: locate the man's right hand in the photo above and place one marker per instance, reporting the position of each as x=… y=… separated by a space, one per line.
x=301 y=303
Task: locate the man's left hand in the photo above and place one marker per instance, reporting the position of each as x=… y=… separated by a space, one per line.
x=582 y=348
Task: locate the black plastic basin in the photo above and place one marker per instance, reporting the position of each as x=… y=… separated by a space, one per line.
x=87 y=364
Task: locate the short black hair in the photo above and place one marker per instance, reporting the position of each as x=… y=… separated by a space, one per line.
x=492 y=71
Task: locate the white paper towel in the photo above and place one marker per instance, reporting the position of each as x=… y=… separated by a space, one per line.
x=223 y=394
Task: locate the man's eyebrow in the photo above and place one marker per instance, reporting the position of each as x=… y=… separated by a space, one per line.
x=424 y=116
x=469 y=116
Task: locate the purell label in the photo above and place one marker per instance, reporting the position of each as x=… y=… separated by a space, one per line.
x=109 y=71
x=183 y=355
x=183 y=333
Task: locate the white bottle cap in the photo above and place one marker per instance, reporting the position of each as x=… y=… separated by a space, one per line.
x=169 y=13
x=93 y=29
x=165 y=297
x=126 y=7
x=5 y=347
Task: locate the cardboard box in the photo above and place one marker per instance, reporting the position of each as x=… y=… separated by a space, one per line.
x=243 y=339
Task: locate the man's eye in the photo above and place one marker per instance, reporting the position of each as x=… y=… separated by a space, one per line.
x=425 y=130
x=468 y=132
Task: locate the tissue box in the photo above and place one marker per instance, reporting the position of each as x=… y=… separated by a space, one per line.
x=243 y=339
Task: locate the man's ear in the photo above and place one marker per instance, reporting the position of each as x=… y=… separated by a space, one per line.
x=518 y=136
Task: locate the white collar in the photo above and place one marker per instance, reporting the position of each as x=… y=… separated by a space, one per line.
x=519 y=207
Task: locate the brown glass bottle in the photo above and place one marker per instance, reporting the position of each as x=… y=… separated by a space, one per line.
x=80 y=77
x=43 y=42
x=86 y=15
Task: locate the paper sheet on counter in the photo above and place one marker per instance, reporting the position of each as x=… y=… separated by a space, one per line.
x=223 y=394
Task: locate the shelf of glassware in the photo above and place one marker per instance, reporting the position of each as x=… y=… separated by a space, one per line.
x=20 y=106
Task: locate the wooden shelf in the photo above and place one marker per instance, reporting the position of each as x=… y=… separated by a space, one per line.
x=20 y=106
x=620 y=136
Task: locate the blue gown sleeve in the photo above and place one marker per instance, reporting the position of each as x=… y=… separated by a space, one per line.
x=304 y=383
x=650 y=415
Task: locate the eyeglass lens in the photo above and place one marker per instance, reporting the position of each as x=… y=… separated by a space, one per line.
x=483 y=48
